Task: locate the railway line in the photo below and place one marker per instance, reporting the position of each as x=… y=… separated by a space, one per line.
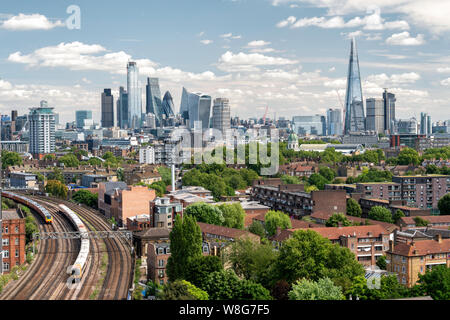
x=108 y=272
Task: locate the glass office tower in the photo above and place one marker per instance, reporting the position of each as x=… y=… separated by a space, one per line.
x=134 y=96
x=154 y=103
x=354 y=106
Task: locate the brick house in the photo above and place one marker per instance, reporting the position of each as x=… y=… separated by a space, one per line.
x=157 y=257
x=409 y=260
x=13 y=240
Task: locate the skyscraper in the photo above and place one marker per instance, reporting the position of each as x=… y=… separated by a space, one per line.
x=81 y=116
x=375 y=120
x=107 y=109
x=354 y=106
x=221 y=118
x=199 y=109
x=134 y=96
x=334 y=122
x=167 y=105
x=122 y=109
x=42 y=130
x=303 y=125
x=153 y=95
x=389 y=111
x=184 y=106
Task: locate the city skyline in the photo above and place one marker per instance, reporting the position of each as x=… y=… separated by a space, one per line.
x=228 y=60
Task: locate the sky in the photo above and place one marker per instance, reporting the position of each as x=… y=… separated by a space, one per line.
x=289 y=55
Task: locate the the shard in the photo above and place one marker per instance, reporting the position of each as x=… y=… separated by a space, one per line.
x=354 y=107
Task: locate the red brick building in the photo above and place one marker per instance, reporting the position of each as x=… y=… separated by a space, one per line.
x=13 y=240
x=157 y=257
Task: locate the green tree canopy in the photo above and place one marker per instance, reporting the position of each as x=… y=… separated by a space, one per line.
x=318 y=180
x=353 y=208
x=69 y=160
x=257 y=228
x=182 y=290
x=327 y=173
x=421 y=222
x=408 y=156
x=86 y=197
x=204 y=212
x=185 y=244
x=444 y=204
x=338 y=219
x=436 y=282
x=56 y=188
x=56 y=175
x=10 y=159
x=233 y=214
x=322 y=289
x=276 y=219
x=381 y=214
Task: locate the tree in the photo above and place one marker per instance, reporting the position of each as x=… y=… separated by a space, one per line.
x=276 y=219
x=56 y=175
x=69 y=160
x=199 y=267
x=436 y=282
x=225 y=285
x=290 y=179
x=56 y=188
x=280 y=290
x=204 y=212
x=338 y=219
x=257 y=228
x=421 y=222
x=309 y=255
x=159 y=187
x=318 y=180
x=444 y=205
x=233 y=214
x=397 y=215
x=327 y=173
x=353 y=208
x=86 y=197
x=309 y=189
x=166 y=175
x=49 y=157
x=95 y=161
x=380 y=214
x=408 y=156
x=185 y=244
x=253 y=260
x=381 y=262
x=10 y=159
x=182 y=290
x=323 y=289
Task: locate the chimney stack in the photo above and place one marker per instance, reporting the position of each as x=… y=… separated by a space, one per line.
x=438 y=238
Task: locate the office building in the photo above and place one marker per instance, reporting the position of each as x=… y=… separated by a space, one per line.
x=154 y=103
x=221 y=118
x=184 y=106
x=122 y=109
x=308 y=125
x=150 y=121
x=407 y=126
x=168 y=106
x=199 y=110
x=354 y=106
x=81 y=116
x=334 y=122
x=134 y=96
x=107 y=109
x=389 y=111
x=147 y=155
x=375 y=120
x=42 y=131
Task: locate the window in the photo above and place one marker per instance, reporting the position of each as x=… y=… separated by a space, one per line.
x=160 y=263
x=5 y=242
x=16 y=229
x=403 y=269
x=5 y=253
x=6 y=229
x=5 y=266
x=16 y=241
x=17 y=253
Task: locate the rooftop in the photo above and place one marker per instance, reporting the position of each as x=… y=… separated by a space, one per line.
x=421 y=248
x=223 y=231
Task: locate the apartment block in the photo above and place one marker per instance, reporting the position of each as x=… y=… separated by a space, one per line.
x=379 y=190
x=13 y=240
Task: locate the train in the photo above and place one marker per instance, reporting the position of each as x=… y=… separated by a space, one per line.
x=77 y=269
x=30 y=203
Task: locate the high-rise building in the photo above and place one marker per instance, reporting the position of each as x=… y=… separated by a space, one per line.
x=198 y=109
x=334 y=122
x=107 y=109
x=42 y=130
x=122 y=109
x=375 y=119
x=134 y=96
x=354 y=105
x=154 y=103
x=304 y=125
x=407 y=126
x=81 y=116
x=168 y=106
x=425 y=123
x=389 y=111
x=147 y=155
x=221 y=117
x=150 y=121
x=184 y=106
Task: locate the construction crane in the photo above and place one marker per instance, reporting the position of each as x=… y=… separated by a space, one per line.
x=265 y=115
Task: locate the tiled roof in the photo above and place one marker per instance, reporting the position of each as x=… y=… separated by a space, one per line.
x=326 y=215
x=333 y=233
x=222 y=231
x=159 y=233
x=430 y=219
x=421 y=248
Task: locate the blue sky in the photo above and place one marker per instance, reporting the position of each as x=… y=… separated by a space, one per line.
x=289 y=55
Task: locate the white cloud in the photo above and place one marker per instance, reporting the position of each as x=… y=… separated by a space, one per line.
x=383 y=79
x=431 y=14
x=206 y=41
x=443 y=70
x=258 y=43
x=373 y=21
x=248 y=62
x=35 y=21
x=445 y=82
x=404 y=39
x=230 y=36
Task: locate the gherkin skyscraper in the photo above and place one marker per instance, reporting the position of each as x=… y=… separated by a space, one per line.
x=354 y=107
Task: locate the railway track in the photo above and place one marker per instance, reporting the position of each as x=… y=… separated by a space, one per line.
x=104 y=283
